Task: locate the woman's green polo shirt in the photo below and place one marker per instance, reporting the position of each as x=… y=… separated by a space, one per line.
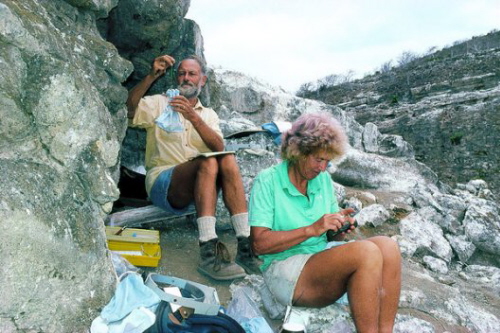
x=275 y=203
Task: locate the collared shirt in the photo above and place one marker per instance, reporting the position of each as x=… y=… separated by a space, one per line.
x=165 y=149
x=275 y=203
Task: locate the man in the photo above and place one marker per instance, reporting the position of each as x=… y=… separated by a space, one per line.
x=175 y=181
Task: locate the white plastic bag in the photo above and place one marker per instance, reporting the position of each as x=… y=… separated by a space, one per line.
x=169 y=119
x=246 y=312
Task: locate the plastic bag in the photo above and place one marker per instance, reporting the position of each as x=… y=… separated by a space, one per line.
x=244 y=309
x=122 y=265
x=169 y=120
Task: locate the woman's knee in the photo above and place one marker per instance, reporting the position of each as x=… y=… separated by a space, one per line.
x=389 y=248
x=367 y=253
x=387 y=245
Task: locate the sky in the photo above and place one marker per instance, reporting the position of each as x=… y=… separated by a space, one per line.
x=290 y=42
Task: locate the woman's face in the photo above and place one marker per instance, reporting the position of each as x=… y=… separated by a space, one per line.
x=312 y=165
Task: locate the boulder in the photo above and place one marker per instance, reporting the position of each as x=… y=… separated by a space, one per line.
x=63 y=120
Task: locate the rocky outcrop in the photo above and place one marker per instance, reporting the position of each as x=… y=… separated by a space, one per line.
x=445 y=104
x=455 y=133
x=63 y=121
x=447 y=235
x=143 y=30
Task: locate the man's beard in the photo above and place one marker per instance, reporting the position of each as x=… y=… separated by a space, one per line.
x=189 y=91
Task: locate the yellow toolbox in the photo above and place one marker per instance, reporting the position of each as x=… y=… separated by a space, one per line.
x=139 y=246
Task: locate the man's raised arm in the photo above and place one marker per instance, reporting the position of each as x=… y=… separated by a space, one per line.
x=160 y=65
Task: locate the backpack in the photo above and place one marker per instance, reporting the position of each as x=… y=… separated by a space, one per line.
x=195 y=323
x=199 y=310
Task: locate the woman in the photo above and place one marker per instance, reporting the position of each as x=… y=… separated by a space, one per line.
x=292 y=206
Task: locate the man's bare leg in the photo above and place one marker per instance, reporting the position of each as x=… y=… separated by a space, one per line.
x=195 y=180
x=233 y=192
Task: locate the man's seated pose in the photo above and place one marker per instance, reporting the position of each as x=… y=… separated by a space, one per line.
x=175 y=181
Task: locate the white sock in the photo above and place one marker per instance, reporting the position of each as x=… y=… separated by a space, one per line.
x=206 y=228
x=240 y=224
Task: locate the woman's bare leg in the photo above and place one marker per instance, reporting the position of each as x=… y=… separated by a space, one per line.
x=354 y=267
x=391 y=282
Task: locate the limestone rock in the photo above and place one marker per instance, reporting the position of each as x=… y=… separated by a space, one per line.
x=63 y=120
x=427 y=237
x=436 y=264
x=375 y=215
x=444 y=104
x=462 y=246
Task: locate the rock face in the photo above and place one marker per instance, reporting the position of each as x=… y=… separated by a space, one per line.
x=141 y=31
x=62 y=125
x=445 y=104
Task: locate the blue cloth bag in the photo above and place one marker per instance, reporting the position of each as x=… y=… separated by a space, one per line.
x=130 y=294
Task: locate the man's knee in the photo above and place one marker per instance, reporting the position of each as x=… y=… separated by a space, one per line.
x=228 y=163
x=209 y=166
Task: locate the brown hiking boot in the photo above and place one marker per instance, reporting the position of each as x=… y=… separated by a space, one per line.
x=216 y=261
x=246 y=258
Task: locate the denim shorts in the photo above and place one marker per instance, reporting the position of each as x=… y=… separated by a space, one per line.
x=158 y=194
x=281 y=276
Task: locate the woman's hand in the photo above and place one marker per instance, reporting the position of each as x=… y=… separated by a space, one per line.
x=348 y=212
x=347 y=227
x=333 y=222
x=266 y=240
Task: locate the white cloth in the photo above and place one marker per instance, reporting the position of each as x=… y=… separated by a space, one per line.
x=137 y=321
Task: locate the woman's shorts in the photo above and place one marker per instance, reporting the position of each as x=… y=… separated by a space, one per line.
x=158 y=194
x=281 y=276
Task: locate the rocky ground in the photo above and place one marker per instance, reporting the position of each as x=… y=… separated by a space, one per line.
x=443 y=290
x=180 y=254
x=180 y=251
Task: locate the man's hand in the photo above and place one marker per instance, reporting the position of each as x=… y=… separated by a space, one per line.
x=158 y=68
x=182 y=105
x=160 y=65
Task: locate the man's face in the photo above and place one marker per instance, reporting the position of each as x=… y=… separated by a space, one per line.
x=190 y=78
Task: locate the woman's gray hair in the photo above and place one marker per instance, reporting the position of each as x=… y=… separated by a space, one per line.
x=313 y=133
